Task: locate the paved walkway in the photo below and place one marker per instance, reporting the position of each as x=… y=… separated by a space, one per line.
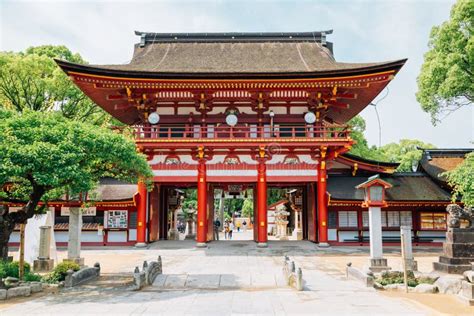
x=224 y=279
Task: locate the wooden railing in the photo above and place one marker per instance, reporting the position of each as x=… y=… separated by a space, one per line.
x=241 y=132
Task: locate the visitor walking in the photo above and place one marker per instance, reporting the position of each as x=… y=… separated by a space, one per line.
x=217 y=225
x=244 y=226
x=238 y=226
x=226 y=229
x=231 y=229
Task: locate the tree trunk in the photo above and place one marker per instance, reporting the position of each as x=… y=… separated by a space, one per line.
x=6 y=228
x=8 y=220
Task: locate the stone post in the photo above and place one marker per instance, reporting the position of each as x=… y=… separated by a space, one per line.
x=173 y=233
x=377 y=262
x=410 y=263
x=44 y=263
x=74 y=242
x=297 y=232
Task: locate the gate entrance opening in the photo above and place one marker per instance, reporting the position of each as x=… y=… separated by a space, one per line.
x=233 y=211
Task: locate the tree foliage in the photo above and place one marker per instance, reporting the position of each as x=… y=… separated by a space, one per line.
x=31 y=80
x=405 y=152
x=446 y=81
x=247 y=208
x=361 y=147
x=43 y=155
x=461 y=180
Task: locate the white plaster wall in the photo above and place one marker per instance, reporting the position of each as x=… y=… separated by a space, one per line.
x=232 y=173
x=91 y=236
x=332 y=234
x=15 y=237
x=132 y=234
x=302 y=172
x=61 y=236
x=117 y=236
x=347 y=235
x=170 y=173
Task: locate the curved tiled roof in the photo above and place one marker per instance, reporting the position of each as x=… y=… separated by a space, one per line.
x=406 y=187
x=437 y=161
x=262 y=57
x=234 y=53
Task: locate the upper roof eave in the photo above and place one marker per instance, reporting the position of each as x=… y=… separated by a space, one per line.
x=69 y=67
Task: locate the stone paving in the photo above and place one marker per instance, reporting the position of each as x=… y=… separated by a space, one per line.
x=224 y=279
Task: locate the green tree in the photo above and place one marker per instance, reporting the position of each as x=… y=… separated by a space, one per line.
x=31 y=80
x=43 y=155
x=446 y=81
x=361 y=147
x=406 y=152
x=461 y=180
x=190 y=199
x=247 y=208
x=274 y=195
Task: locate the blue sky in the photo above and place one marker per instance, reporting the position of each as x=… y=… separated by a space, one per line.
x=364 y=31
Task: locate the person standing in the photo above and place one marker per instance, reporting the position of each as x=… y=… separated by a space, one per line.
x=217 y=225
x=244 y=226
x=231 y=229
x=238 y=226
x=226 y=229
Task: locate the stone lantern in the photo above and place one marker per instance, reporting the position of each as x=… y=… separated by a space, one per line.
x=374 y=198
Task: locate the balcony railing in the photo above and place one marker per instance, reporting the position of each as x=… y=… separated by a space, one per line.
x=223 y=132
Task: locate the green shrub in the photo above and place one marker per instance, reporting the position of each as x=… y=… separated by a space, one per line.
x=3 y=272
x=32 y=277
x=50 y=278
x=396 y=277
x=11 y=269
x=60 y=271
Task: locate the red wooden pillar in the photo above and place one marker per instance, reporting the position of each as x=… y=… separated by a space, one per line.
x=322 y=205
x=262 y=204
x=202 y=204
x=141 y=215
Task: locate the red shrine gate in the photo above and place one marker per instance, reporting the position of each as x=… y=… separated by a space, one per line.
x=260 y=109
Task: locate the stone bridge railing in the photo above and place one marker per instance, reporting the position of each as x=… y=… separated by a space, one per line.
x=293 y=276
x=148 y=274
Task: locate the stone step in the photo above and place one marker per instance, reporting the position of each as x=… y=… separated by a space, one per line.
x=217 y=281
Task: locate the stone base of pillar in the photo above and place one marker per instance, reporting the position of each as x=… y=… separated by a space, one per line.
x=467 y=293
x=262 y=245
x=140 y=245
x=297 y=234
x=379 y=265
x=79 y=261
x=458 y=251
x=323 y=245
x=190 y=237
x=201 y=245
x=411 y=264
x=43 y=265
x=173 y=234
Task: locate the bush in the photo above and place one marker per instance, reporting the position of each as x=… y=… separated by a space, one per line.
x=11 y=269
x=32 y=277
x=396 y=277
x=60 y=271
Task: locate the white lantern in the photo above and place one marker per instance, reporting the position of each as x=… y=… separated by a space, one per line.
x=310 y=117
x=231 y=119
x=153 y=118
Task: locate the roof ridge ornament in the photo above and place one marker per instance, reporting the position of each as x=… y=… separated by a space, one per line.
x=314 y=36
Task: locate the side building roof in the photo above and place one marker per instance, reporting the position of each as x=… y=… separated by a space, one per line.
x=409 y=186
x=437 y=161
